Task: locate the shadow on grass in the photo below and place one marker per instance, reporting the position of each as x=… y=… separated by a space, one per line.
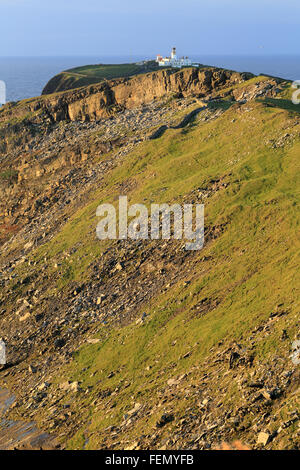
x=282 y=104
x=212 y=105
x=188 y=119
x=220 y=104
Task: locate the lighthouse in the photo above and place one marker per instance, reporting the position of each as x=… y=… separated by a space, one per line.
x=173 y=61
x=173 y=54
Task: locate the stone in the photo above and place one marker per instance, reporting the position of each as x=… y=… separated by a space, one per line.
x=24 y=317
x=266 y=394
x=263 y=438
x=100 y=299
x=65 y=385
x=119 y=267
x=74 y=387
x=43 y=386
x=172 y=382
x=28 y=245
x=70 y=386
x=59 y=343
x=93 y=340
x=135 y=410
x=165 y=419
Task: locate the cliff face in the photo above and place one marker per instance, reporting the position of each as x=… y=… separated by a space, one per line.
x=101 y=100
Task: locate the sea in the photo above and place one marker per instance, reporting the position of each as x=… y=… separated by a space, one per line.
x=25 y=77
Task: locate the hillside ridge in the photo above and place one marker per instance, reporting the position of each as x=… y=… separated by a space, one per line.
x=142 y=344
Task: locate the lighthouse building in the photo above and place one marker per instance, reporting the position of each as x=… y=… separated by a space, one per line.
x=173 y=60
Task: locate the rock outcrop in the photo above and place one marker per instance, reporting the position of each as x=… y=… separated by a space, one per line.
x=97 y=101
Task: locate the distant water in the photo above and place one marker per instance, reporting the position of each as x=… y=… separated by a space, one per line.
x=26 y=77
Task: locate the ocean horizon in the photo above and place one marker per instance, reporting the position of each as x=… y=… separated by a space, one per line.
x=25 y=77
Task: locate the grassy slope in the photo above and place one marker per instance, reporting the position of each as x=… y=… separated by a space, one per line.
x=252 y=267
x=89 y=74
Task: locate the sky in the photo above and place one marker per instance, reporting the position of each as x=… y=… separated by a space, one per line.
x=148 y=27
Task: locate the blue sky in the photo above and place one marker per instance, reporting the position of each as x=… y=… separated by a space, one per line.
x=147 y=27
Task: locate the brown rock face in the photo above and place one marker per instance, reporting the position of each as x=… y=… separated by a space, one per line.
x=97 y=101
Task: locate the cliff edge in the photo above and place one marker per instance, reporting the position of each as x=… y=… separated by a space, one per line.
x=103 y=99
x=90 y=74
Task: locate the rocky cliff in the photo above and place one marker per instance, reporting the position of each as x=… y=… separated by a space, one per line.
x=101 y=100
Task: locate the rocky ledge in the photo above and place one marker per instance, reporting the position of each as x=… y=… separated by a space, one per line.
x=103 y=99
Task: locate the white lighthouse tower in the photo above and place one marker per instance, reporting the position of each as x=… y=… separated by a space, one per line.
x=173 y=61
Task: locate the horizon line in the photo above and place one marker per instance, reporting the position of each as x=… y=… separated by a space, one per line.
x=146 y=56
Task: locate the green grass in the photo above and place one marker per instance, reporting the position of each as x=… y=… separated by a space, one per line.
x=9 y=176
x=89 y=74
x=287 y=104
x=181 y=162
